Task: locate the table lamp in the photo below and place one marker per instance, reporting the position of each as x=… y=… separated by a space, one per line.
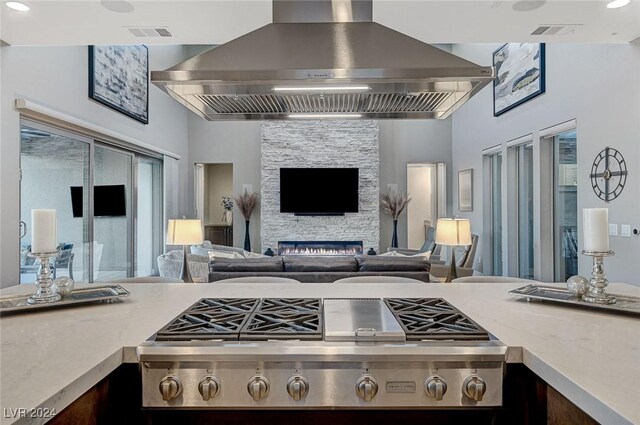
x=184 y=232
x=453 y=232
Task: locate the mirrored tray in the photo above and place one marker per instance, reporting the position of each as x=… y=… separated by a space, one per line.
x=624 y=303
x=89 y=294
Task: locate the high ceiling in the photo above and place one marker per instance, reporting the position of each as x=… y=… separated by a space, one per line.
x=82 y=22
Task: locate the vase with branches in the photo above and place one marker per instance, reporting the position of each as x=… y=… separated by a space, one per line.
x=227 y=215
x=247 y=202
x=394 y=204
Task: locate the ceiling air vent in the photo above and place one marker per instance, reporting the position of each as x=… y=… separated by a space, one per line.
x=149 y=31
x=555 y=29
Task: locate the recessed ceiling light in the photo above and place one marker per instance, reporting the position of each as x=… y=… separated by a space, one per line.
x=528 y=5
x=16 y=5
x=615 y=4
x=119 y=6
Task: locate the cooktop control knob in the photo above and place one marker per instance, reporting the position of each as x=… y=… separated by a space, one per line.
x=366 y=388
x=258 y=388
x=474 y=387
x=297 y=387
x=209 y=387
x=170 y=388
x=435 y=387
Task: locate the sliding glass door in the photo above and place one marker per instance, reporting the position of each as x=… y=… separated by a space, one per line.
x=493 y=212
x=55 y=175
x=524 y=164
x=108 y=201
x=149 y=206
x=565 y=191
x=112 y=213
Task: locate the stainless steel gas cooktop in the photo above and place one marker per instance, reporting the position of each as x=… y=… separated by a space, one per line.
x=322 y=353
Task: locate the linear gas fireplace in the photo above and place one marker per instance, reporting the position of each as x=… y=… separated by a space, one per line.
x=319 y=247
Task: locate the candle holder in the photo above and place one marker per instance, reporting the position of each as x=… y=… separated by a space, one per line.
x=597 y=283
x=44 y=280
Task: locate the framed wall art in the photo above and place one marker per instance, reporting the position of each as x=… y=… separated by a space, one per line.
x=520 y=75
x=119 y=79
x=465 y=190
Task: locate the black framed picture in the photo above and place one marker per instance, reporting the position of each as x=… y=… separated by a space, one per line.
x=119 y=79
x=520 y=75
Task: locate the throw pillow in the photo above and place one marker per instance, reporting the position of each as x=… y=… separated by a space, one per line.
x=248 y=254
x=426 y=255
x=368 y=263
x=252 y=265
x=213 y=254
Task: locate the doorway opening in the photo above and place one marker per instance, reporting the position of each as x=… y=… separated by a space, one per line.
x=427 y=187
x=214 y=201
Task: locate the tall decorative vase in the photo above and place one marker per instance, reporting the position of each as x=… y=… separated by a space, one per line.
x=394 y=238
x=227 y=217
x=247 y=239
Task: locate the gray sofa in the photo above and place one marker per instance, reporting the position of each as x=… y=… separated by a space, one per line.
x=320 y=269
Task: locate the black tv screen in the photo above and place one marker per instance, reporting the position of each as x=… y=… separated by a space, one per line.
x=319 y=191
x=109 y=201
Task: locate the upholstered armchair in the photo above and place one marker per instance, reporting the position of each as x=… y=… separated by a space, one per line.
x=429 y=245
x=170 y=265
x=465 y=256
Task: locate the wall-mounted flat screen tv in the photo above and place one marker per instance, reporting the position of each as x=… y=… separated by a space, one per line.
x=109 y=201
x=319 y=191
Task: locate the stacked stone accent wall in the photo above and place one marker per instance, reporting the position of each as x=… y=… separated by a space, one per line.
x=320 y=144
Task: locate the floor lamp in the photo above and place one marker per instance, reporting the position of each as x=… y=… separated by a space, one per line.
x=184 y=232
x=453 y=232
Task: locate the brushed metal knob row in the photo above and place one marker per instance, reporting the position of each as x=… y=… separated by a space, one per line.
x=474 y=387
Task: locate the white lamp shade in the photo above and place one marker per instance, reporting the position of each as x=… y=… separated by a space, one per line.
x=453 y=231
x=184 y=232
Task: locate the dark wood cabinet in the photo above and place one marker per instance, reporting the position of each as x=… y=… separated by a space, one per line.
x=219 y=234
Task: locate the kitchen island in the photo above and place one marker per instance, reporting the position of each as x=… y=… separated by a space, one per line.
x=51 y=358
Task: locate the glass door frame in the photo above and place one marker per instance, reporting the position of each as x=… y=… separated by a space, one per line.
x=87 y=234
x=489 y=164
x=131 y=225
x=516 y=182
x=158 y=237
x=558 y=238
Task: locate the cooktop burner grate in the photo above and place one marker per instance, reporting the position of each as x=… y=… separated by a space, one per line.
x=210 y=318
x=285 y=318
x=434 y=319
x=291 y=304
x=283 y=325
x=247 y=319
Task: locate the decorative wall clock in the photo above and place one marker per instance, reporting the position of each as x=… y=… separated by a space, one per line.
x=608 y=174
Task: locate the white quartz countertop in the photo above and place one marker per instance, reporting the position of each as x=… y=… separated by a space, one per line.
x=50 y=358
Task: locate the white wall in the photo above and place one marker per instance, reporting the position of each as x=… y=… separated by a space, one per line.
x=57 y=77
x=236 y=142
x=597 y=84
x=402 y=142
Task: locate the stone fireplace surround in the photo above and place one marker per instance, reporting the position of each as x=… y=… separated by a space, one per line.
x=320 y=144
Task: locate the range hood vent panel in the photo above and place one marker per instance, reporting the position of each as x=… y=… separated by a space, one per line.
x=406 y=78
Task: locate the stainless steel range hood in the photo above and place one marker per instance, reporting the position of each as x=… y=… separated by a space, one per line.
x=323 y=59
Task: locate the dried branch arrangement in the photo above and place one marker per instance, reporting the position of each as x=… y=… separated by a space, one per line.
x=246 y=202
x=394 y=204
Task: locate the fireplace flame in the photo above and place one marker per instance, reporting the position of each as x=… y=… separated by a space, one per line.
x=319 y=251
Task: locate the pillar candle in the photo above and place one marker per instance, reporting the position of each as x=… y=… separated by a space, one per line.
x=43 y=231
x=595 y=225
